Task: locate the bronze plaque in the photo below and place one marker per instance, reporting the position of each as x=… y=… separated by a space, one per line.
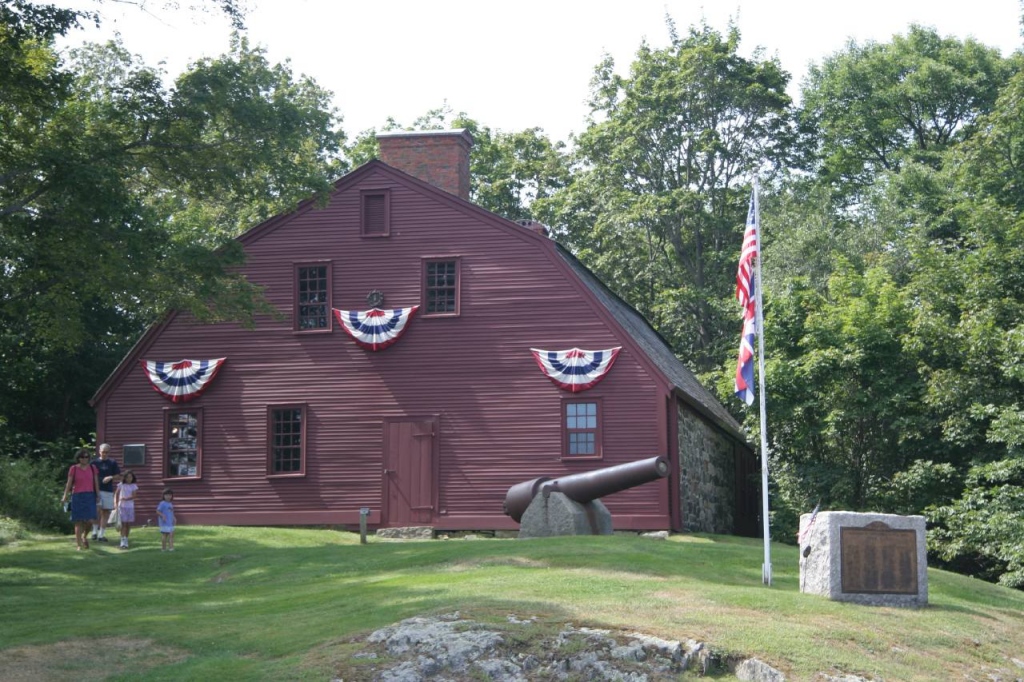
x=877 y=559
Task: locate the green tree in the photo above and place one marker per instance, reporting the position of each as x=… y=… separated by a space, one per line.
x=666 y=162
x=846 y=398
x=118 y=198
x=896 y=386
x=890 y=287
x=982 y=532
x=878 y=105
x=969 y=328
x=969 y=319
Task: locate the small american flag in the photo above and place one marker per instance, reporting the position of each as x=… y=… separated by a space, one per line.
x=806 y=531
x=745 y=293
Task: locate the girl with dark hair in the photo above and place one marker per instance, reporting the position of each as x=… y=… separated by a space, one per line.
x=124 y=502
x=165 y=512
x=83 y=484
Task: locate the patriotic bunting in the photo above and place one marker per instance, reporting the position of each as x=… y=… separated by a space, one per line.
x=575 y=370
x=375 y=329
x=184 y=380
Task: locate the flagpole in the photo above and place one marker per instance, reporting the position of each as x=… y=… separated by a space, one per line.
x=766 y=567
x=748 y=293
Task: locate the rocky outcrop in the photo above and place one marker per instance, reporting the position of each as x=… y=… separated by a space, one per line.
x=754 y=670
x=450 y=648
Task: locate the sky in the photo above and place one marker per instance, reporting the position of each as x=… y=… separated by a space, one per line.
x=516 y=65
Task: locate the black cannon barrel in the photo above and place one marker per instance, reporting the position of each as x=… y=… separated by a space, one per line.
x=519 y=496
x=591 y=485
x=587 y=486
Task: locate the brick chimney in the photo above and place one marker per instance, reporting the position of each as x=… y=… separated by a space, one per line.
x=440 y=157
x=533 y=225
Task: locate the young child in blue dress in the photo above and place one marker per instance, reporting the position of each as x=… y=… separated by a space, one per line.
x=165 y=512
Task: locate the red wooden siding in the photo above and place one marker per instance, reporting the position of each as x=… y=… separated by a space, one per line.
x=498 y=418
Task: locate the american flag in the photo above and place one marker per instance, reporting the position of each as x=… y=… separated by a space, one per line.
x=745 y=283
x=806 y=531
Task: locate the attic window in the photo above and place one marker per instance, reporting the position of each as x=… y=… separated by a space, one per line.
x=375 y=213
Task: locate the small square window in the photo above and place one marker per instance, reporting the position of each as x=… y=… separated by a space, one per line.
x=312 y=297
x=441 y=286
x=375 y=213
x=581 y=428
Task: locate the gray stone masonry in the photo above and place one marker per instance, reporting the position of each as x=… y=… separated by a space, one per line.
x=707 y=476
x=407 y=533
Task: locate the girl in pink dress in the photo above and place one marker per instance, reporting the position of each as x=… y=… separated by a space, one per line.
x=124 y=502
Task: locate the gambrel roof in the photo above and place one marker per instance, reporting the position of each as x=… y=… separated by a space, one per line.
x=644 y=339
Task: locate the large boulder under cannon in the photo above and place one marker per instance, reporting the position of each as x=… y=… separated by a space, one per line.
x=552 y=514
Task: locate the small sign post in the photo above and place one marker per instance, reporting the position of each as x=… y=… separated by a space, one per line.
x=363 y=513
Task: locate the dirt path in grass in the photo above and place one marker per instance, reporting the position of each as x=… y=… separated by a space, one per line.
x=84 y=659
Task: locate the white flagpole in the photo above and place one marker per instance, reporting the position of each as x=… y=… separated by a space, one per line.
x=766 y=567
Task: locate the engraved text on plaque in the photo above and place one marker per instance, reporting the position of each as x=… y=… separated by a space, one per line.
x=877 y=559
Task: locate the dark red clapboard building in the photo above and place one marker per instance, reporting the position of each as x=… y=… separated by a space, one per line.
x=429 y=355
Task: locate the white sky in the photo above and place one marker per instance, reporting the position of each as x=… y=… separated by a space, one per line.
x=516 y=65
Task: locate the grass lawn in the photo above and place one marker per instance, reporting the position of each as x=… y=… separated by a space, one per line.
x=291 y=604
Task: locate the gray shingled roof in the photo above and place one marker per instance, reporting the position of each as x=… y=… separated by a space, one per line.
x=656 y=348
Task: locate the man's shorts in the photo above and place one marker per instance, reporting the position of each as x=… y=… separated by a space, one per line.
x=106 y=500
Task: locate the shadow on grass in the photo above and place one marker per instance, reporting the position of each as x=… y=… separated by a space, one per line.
x=230 y=596
x=703 y=559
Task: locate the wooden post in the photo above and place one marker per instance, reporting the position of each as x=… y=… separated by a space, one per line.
x=363 y=513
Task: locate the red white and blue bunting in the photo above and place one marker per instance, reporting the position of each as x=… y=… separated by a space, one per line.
x=184 y=380
x=375 y=329
x=575 y=370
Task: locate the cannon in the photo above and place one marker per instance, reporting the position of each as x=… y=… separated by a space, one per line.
x=571 y=505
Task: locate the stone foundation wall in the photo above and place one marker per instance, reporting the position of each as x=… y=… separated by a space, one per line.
x=707 y=480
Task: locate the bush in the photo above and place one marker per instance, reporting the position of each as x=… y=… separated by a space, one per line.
x=982 y=533
x=923 y=484
x=30 y=491
x=12 y=530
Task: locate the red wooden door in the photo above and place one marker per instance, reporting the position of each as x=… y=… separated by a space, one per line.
x=409 y=471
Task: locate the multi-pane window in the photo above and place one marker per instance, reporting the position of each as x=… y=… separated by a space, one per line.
x=375 y=213
x=182 y=430
x=441 y=287
x=582 y=428
x=313 y=308
x=287 y=440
